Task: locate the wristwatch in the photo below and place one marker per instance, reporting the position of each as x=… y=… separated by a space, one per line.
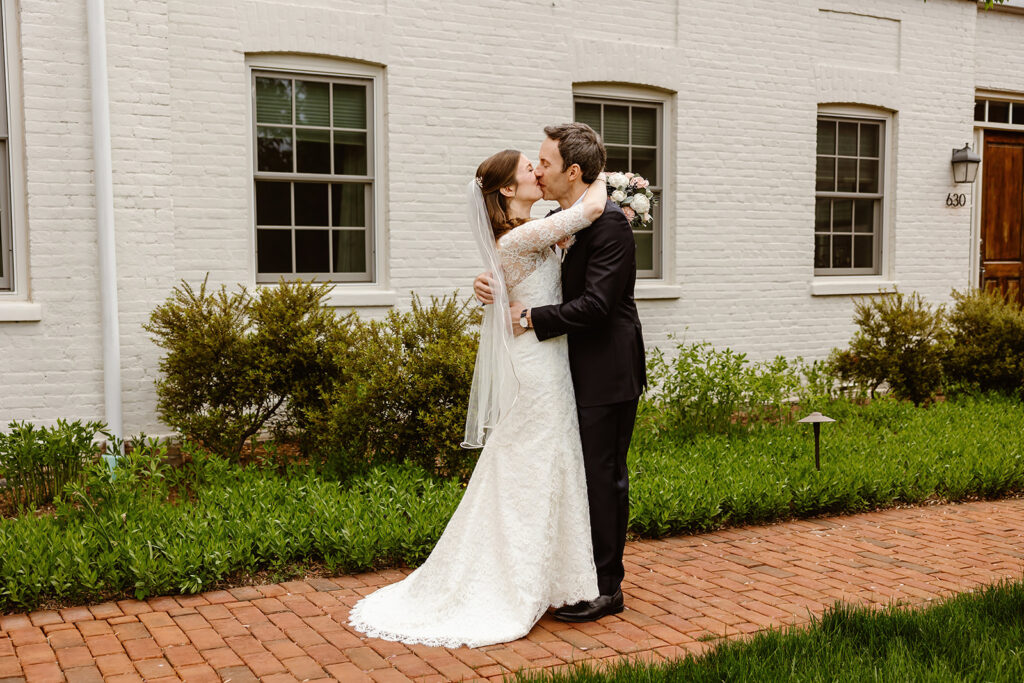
x=523 y=322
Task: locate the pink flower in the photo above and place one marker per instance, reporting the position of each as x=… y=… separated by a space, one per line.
x=629 y=175
x=639 y=183
x=630 y=213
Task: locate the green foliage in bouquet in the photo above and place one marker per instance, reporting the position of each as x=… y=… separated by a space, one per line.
x=233 y=359
x=901 y=340
x=987 y=343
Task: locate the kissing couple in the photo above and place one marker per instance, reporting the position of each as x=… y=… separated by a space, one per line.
x=558 y=375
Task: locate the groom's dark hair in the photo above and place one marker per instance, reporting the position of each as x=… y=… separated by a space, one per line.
x=580 y=144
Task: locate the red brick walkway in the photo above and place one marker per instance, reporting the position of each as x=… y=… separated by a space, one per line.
x=680 y=593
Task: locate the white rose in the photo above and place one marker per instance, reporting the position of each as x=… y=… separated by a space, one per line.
x=618 y=180
x=618 y=196
x=640 y=203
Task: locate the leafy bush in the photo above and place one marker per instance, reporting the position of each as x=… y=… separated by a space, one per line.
x=704 y=390
x=901 y=341
x=232 y=360
x=987 y=342
x=403 y=392
x=37 y=462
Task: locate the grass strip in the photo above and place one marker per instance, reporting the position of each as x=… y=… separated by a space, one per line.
x=971 y=637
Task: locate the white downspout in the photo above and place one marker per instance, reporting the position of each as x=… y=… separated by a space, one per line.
x=104 y=180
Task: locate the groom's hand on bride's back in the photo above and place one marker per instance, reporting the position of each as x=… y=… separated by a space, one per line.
x=482 y=288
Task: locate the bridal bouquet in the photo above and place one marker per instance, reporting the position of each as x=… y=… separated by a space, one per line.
x=632 y=193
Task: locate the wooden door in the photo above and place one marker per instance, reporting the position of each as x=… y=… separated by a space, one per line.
x=1002 y=214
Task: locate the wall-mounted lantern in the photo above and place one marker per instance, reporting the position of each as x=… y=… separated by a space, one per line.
x=965 y=164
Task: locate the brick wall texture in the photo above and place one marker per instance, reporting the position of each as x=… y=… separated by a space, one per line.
x=742 y=84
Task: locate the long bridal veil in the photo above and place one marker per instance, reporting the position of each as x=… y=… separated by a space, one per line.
x=495 y=385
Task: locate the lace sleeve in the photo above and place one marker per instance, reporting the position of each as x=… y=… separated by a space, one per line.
x=539 y=234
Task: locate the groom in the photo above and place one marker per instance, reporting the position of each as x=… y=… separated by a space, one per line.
x=606 y=348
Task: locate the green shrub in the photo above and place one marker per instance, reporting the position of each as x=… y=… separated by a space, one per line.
x=704 y=390
x=403 y=394
x=37 y=462
x=233 y=360
x=987 y=342
x=901 y=341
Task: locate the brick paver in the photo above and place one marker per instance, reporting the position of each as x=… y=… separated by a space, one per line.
x=682 y=593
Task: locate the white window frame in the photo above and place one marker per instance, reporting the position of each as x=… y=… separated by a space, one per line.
x=15 y=304
x=881 y=279
x=365 y=292
x=656 y=283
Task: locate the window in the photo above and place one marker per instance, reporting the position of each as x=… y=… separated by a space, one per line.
x=313 y=177
x=6 y=242
x=1010 y=114
x=849 y=196
x=632 y=133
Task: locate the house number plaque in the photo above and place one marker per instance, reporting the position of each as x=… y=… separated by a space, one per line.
x=956 y=199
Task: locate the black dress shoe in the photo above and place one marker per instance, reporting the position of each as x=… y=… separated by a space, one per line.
x=591 y=610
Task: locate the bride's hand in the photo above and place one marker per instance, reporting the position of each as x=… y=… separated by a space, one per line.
x=597 y=197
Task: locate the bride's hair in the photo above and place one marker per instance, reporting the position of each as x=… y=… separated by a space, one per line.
x=498 y=171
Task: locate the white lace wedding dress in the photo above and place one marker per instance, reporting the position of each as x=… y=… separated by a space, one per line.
x=519 y=541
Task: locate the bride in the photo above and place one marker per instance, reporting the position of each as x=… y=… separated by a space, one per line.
x=519 y=541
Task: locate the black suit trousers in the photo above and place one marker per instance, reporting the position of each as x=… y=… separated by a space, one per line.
x=605 y=432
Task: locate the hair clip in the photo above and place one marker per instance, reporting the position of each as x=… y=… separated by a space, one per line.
x=480 y=182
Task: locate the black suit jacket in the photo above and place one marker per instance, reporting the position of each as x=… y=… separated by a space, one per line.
x=598 y=313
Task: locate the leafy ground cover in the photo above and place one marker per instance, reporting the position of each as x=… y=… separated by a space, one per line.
x=971 y=637
x=158 y=529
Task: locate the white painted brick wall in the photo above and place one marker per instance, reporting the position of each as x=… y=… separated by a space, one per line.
x=461 y=81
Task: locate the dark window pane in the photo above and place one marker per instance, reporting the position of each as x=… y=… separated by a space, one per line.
x=826 y=176
x=822 y=215
x=273 y=203
x=274 y=251
x=1018 y=113
x=312 y=103
x=590 y=114
x=826 y=137
x=869 y=137
x=998 y=112
x=868 y=175
x=847 y=139
x=349 y=153
x=311 y=255
x=864 y=215
x=348 y=202
x=349 y=106
x=311 y=204
x=349 y=248
x=645 y=162
x=645 y=126
x=644 y=250
x=863 y=251
x=841 y=251
x=821 y=251
x=842 y=215
x=312 y=150
x=274 y=149
x=618 y=159
x=616 y=125
x=273 y=100
x=847 y=180
x=979 y=110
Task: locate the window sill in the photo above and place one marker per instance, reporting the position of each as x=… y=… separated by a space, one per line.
x=361 y=298
x=20 y=312
x=656 y=290
x=838 y=286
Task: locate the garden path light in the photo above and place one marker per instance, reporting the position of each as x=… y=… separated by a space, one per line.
x=816 y=419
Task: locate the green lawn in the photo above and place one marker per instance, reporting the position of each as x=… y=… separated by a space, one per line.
x=971 y=637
